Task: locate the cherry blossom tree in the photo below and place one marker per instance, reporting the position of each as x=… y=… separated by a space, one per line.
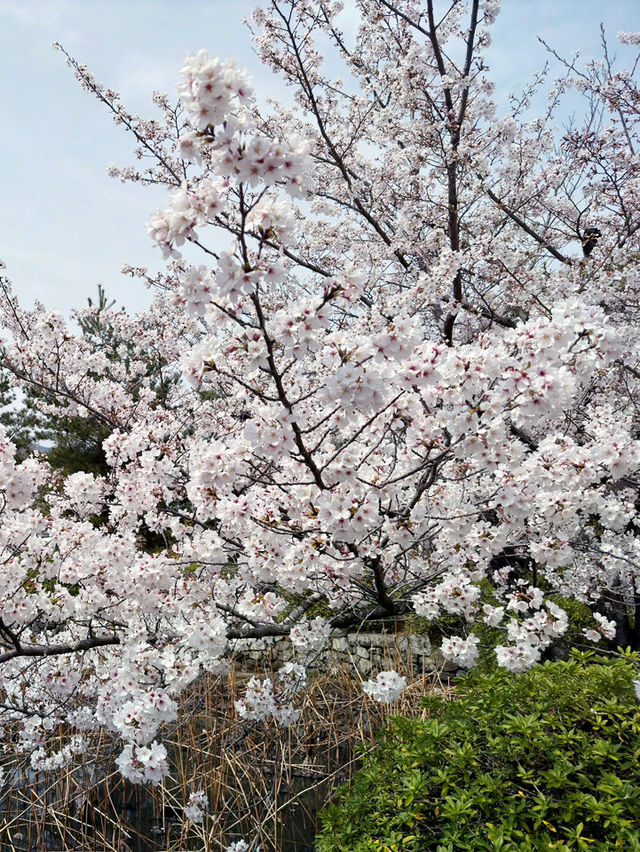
x=405 y=321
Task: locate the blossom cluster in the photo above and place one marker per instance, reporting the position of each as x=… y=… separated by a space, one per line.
x=387 y=687
x=310 y=635
x=209 y=87
x=240 y=846
x=187 y=210
x=260 y=702
x=43 y=762
x=196 y=806
x=216 y=94
x=140 y=764
x=462 y=652
x=604 y=628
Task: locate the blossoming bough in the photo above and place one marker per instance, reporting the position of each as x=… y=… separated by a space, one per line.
x=406 y=390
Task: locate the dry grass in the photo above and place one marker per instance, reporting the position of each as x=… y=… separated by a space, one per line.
x=263 y=783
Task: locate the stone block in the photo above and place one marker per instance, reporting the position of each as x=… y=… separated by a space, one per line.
x=340 y=644
x=363 y=666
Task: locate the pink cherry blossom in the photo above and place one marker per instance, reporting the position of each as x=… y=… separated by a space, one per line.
x=402 y=379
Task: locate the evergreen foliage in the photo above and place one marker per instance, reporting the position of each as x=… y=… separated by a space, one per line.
x=545 y=760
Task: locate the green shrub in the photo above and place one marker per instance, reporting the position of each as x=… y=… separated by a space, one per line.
x=546 y=760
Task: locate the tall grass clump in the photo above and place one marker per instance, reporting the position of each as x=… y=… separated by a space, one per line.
x=261 y=782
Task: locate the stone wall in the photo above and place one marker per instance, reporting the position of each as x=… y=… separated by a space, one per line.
x=369 y=653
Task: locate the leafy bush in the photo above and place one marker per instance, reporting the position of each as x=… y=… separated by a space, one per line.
x=546 y=760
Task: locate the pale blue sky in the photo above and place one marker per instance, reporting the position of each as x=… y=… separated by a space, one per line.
x=64 y=224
